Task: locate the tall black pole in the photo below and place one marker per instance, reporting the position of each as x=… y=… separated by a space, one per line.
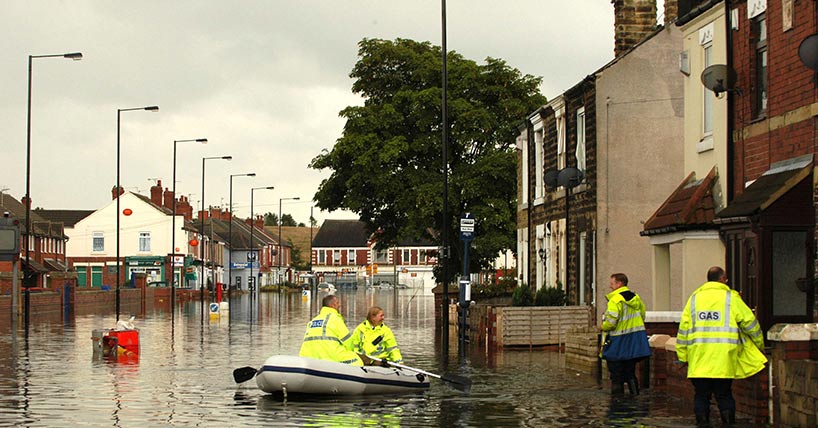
x=27 y=304
x=230 y=242
x=201 y=239
x=252 y=254
x=118 y=194
x=76 y=56
x=445 y=243
x=173 y=241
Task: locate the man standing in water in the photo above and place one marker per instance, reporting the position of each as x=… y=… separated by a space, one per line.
x=624 y=323
x=327 y=336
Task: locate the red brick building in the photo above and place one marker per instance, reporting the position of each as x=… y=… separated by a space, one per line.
x=768 y=226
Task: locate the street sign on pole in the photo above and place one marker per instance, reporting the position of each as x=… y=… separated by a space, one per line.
x=467 y=227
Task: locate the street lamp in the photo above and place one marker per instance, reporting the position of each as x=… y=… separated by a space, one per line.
x=252 y=228
x=230 y=234
x=278 y=255
x=173 y=226
x=119 y=193
x=201 y=232
x=76 y=56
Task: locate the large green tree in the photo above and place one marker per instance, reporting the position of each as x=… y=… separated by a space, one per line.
x=387 y=166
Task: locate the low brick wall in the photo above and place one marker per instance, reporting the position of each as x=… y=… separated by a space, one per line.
x=795 y=374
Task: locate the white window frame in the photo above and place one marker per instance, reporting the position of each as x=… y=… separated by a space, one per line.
x=144 y=242
x=94 y=237
x=524 y=179
x=336 y=257
x=708 y=99
x=406 y=257
x=539 y=158
x=351 y=256
x=580 y=152
x=322 y=257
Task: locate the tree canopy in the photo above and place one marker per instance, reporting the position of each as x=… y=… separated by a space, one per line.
x=387 y=166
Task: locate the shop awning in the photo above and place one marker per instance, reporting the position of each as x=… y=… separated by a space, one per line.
x=689 y=207
x=768 y=188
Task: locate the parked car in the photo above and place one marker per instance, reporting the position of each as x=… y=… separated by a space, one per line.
x=326 y=286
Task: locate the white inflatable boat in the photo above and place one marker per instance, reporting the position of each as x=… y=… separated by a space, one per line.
x=298 y=375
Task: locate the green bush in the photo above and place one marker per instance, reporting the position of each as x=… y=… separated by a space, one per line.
x=522 y=296
x=502 y=288
x=549 y=296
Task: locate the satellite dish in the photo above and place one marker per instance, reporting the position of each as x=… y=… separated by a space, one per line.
x=808 y=52
x=570 y=177
x=551 y=178
x=719 y=78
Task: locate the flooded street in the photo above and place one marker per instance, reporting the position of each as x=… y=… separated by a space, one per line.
x=184 y=375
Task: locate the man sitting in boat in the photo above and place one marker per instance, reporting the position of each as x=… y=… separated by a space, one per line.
x=327 y=336
x=373 y=338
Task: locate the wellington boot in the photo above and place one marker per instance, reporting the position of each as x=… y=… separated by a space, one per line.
x=633 y=386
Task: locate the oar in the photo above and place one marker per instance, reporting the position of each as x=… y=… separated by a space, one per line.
x=243 y=374
x=458 y=382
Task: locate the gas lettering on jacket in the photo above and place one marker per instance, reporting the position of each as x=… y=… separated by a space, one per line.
x=317 y=323
x=709 y=315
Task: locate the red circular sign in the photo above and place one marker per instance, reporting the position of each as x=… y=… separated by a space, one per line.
x=194 y=242
x=127 y=211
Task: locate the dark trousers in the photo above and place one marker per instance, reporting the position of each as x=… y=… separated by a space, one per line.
x=707 y=387
x=622 y=371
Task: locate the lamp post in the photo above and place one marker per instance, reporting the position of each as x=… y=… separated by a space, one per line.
x=76 y=56
x=278 y=254
x=252 y=228
x=230 y=234
x=119 y=193
x=173 y=226
x=202 y=230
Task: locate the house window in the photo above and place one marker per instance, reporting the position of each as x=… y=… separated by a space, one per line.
x=760 y=89
x=350 y=256
x=580 y=154
x=538 y=161
x=98 y=242
x=144 y=242
x=336 y=257
x=381 y=256
x=707 y=102
x=524 y=180
x=560 y=117
x=406 y=257
x=96 y=276
x=422 y=257
x=322 y=257
x=82 y=276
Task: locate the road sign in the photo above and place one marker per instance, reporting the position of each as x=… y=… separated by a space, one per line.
x=467 y=227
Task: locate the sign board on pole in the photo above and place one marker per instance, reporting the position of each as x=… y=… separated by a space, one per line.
x=467 y=227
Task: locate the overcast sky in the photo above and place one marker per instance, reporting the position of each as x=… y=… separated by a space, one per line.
x=262 y=80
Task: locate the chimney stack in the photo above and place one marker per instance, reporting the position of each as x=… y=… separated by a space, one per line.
x=183 y=207
x=113 y=192
x=156 y=193
x=671 y=11
x=167 y=200
x=633 y=21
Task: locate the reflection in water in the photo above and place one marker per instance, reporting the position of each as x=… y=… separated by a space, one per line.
x=184 y=374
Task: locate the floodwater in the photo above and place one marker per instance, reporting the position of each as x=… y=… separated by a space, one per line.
x=183 y=375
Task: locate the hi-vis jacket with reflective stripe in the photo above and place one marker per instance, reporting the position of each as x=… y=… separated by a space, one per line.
x=624 y=320
x=715 y=323
x=376 y=341
x=328 y=338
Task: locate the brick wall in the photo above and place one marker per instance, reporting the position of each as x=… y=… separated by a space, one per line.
x=795 y=374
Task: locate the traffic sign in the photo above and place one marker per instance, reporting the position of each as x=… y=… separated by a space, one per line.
x=467 y=227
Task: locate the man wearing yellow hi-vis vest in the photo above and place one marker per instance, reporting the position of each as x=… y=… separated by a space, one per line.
x=720 y=340
x=627 y=339
x=327 y=336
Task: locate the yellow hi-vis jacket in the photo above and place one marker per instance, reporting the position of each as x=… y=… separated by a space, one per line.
x=376 y=342
x=624 y=321
x=713 y=334
x=328 y=338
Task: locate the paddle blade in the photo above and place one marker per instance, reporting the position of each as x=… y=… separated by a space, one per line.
x=243 y=374
x=458 y=382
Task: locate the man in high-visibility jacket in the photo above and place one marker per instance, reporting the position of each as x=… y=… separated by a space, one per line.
x=720 y=340
x=627 y=343
x=327 y=336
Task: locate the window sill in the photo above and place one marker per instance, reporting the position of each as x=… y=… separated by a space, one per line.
x=706 y=144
